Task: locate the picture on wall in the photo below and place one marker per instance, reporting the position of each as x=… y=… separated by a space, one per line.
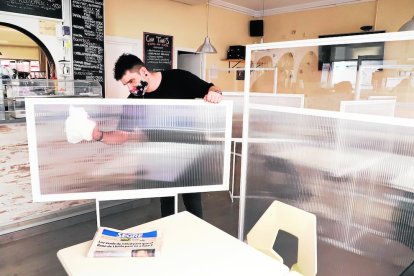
x=148 y=148
x=240 y=75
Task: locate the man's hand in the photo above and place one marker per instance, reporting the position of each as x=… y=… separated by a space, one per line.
x=213 y=95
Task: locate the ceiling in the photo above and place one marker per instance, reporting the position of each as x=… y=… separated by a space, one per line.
x=255 y=7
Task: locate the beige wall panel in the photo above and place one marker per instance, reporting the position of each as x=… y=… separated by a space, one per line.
x=186 y=23
x=17 y=52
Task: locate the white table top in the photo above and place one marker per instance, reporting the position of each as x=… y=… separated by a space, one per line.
x=190 y=246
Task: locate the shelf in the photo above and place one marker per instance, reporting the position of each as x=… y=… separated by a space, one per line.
x=237 y=61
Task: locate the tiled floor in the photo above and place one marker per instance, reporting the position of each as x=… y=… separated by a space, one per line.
x=36 y=255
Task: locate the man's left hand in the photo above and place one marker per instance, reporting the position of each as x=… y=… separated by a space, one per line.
x=213 y=97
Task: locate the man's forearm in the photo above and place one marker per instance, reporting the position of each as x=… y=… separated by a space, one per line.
x=113 y=137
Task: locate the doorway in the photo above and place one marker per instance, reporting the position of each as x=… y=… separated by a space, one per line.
x=23 y=55
x=114 y=48
x=191 y=62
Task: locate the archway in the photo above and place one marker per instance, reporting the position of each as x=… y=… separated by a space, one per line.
x=285 y=66
x=10 y=35
x=307 y=76
x=263 y=78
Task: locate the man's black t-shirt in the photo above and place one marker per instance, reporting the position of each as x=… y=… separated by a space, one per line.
x=178 y=84
x=175 y=84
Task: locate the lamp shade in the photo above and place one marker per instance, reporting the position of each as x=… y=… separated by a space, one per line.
x=409 y=26
x=207 y=47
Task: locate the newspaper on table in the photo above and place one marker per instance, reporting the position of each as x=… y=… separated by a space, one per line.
x=110 y=242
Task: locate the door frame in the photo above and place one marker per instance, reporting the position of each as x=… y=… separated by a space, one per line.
x=190 y=50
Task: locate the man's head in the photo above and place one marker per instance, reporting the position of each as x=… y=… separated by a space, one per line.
x=131 y=71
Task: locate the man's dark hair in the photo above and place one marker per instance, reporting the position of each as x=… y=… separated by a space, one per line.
x=124 y=63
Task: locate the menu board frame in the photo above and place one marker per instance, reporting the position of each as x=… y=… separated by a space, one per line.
x=158 y=51
x=88 y=35
x=51 y=9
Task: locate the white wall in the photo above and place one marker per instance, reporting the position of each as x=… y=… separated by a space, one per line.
x=31 y=24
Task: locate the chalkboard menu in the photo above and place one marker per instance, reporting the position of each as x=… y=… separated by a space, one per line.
x=88 y=40
x=44 y=8
x=158 y=54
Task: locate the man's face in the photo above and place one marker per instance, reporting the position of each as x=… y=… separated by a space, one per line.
x=134 y=81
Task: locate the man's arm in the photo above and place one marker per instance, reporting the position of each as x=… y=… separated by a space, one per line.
x=116 y=137
x=79 y=127
x=213 y=95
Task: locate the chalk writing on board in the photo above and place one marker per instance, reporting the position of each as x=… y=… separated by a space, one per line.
x=158 y=55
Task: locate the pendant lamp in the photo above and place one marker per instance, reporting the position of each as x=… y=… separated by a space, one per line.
x=409 y=26
x=207 y=47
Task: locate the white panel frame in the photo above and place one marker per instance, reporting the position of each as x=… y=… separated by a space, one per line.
x=395 y=36
x=124 y=194
x=264 y=94
x=361 y=103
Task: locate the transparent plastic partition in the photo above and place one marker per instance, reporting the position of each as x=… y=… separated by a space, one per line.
x=174 y=146
x=355 y=172
x=263 y=76
x=330 y=70
x=290 y=100
x=390 y=80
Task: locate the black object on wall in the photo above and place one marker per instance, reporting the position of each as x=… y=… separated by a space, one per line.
x=256 y=28
x=88 y=41
x=50 y=8
x=236 y=52
x=158 y=51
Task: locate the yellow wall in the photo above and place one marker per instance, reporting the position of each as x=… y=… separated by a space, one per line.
x=19 y=52
x=312 y=23
x=186 y=23
x=387 y=15
x=392 y=14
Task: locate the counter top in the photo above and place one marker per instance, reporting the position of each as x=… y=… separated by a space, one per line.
x=5 y=118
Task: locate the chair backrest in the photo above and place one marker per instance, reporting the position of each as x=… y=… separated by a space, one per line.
x=297 y=222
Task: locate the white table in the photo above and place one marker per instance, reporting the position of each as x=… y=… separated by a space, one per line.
x=190 y=246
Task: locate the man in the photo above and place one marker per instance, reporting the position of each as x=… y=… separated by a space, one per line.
x=169 y=84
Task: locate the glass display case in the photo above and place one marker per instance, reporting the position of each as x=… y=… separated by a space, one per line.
x=17 y=90
x=2 y=115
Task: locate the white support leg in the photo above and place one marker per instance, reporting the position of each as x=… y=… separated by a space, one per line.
x=176 y=203
x=98 y=214
x=233 y=171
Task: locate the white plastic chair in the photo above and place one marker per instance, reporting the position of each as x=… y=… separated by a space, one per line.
x=297 y=222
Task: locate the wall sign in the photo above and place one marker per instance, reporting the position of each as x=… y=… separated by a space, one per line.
x=43 y=8
x=88 y=40
x=158 y=54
